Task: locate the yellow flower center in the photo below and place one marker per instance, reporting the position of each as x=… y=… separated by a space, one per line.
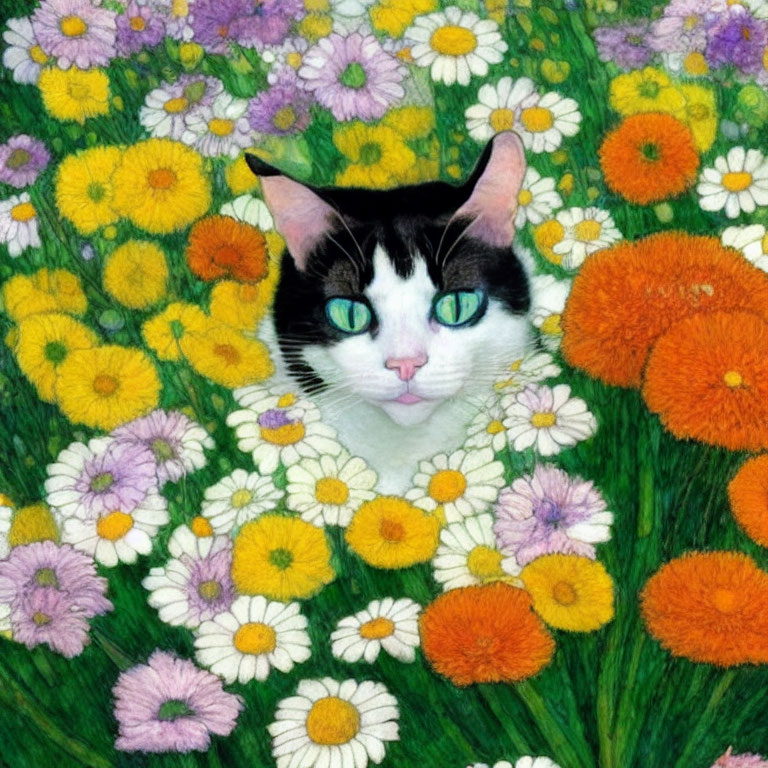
x=73 y=26
x=564 y=593
x=37 y=55
x=33 y=523
x=105 y=385
x=114 y=526
x=695 y=64
x=201 y=527
x=174 y=106
x=725 y=600
x=551 y=325
x=691 y=22
x=764 y=243
x=227 y=353
x=220 y=127
x=315 y=25
x=494 y=427
x=79 y=91
x=447 y=485
x=255 y=638
x=525 y=197
x=537 y=119
x=332 y=721
x=241 y=498
x=699 y=112
x=453 y=40
x=23 y=212
x=317 y=6
x=284 y=118
x=544 y=420
x=161 y=178
x=546 y=236
x=733 y=379
x=391 y=530
x=288 y=434
x=588 y=230
x=138 y=24
x=331 y=490
x=180 y=8
x=484 y=563
x=737 y=181
x=501 y=119
x=293 y=59
x=209 y=590
x=376 y=629
x=286 y=400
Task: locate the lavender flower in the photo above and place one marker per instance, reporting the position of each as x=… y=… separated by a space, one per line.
x=746 y=760
x=169 y=705
x=138 y=27
x=626 y=45
x=283 y=108
x=269 y=23
x=75 y=32
x=551 y=512
x=683 y=27
x=737 y=38
x=216 y=23
x=353 y=76
x=22 y=158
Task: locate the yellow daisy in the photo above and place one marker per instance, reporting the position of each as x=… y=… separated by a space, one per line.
x=240 y=178
x=389 y=532
x=163 y=332
x=74 y=94
x=700 y=114
x=32 y=523
x=282 y=558
x=240 y=305
x=395 y=16
x=44 y=342
x=411 y=122
x=106 y=386
x=378 y=155
x=136 y=274
x=225 y=356
x=160 y=185
x=47 y=290
x=570 y=592
x=84 y=188
x=646 y=90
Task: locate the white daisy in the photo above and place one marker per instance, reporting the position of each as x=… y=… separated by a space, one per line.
x=331 y=723
x=737 y=182
x=195 y=584
x=537 y=198
x=496 y=108
x=118 y=536
x=547 y=419
x=167 y=107
x=752 y=241
x=328 y=490
x=523 y=762
x=254 y=635
x=462 y=484
x=249 y=210
x=351 y=8
x=290 y=53
x=487 y=429
x=221 y=129
x=543 y=121
x=18 y=224
x=455 y=44
x=389 y=624
x=532 y=368
x=6 y=516
x=279 y=427
x=23 y=56
x=468 y=555
x=238 y=498
x=549 y=296
x=585 y=231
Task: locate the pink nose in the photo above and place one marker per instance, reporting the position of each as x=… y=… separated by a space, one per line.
x=406 y=367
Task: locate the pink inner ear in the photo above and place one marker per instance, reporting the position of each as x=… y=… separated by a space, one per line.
x=493 y=202
x=301 y=217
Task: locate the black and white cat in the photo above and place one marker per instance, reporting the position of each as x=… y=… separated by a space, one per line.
x=397 y=309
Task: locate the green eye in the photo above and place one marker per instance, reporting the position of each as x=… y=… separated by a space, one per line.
x=460 y=307
x=348 y=315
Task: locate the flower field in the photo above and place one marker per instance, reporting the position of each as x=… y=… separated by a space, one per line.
x=194 y=571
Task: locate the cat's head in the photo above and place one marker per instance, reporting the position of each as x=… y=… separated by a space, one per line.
x=404 y=297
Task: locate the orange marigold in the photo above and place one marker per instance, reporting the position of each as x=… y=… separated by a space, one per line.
x=486 y=634
x=707 y=378
x=709 y=607
x=649 y=157
x=626 y=296
x=220 y=246
x=748 y=494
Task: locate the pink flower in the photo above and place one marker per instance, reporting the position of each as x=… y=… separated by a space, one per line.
x=747 y=760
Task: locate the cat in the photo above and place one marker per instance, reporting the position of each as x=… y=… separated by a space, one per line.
x=396 y=309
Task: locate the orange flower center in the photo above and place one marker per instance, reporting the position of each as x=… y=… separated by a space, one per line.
x=105 y=385
x=228 y=255
x=255 y=638
x=737 y=181
x=201 y=527
x=23 y=212
x=114 y=526
x=537 y=119
x=378 y=628
x=391 y=530
x=288 y=434
x=725 y=600
x=564 y=593
x=138 y=24
x=227 y=353
x=161 y=178
x=447 y=485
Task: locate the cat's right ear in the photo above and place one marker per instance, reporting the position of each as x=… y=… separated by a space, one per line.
x=301 y=216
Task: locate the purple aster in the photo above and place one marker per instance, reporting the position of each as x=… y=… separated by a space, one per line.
x=22 y=158
x=49 y=616
x=353 y=76
x=626 y=45
x=682 y=28
x=269 y=23
x=210 y=588
x=170 y=705
x=175 y=440
x=283 y=108
x=62 y=568
x=747 y=760
x=216 y=22
x=551 y=512
x=75 y=32
x=138 y=27
x=739 y=39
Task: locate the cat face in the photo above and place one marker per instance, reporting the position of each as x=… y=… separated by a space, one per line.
x=402 y=298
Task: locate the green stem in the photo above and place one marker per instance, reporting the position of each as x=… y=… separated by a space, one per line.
x=116 y=654
x=646 y=511
x=628 y=719
x=605 y=691
x=15 y=698
x=516 y=738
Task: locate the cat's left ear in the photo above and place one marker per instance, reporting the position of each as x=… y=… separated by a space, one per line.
x=494 y=190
